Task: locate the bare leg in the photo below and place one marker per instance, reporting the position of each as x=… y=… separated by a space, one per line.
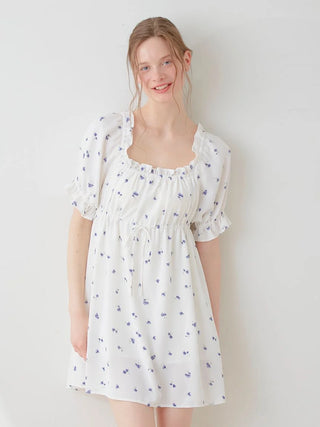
x=132 y=414
x=174 y=417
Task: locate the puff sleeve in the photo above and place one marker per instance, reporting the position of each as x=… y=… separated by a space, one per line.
x=211 y=218
x=84 y=190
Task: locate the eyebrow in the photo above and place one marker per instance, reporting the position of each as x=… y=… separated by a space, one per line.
x=140 y=63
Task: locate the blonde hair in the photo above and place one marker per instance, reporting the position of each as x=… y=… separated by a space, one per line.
x=155 y=27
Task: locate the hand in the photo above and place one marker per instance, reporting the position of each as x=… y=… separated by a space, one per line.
x=79 y=332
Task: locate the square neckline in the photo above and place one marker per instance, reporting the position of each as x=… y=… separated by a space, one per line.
x=158 y=169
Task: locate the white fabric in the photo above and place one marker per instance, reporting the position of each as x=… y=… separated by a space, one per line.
x=152 y=338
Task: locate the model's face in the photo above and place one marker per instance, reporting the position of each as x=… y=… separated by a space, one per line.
x=156 y=68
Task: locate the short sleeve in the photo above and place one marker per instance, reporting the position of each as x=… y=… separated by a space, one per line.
x=211 y=219
x=84 y=190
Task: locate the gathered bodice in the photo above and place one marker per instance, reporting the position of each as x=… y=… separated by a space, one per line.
x=149 y=206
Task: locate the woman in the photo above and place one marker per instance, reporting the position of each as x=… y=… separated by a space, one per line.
x=143 y=253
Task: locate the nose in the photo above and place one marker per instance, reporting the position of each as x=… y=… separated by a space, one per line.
x=158 y=74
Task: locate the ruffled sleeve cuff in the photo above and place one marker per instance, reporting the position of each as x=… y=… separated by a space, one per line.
x=85 y=203
x=210 y=229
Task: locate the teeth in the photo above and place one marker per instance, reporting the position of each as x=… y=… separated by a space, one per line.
x=162 y=87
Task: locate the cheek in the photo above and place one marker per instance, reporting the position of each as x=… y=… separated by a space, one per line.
x=179 y=79
x=142 y=80
x=145 y=84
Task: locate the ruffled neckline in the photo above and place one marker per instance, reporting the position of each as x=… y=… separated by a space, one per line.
x=128 y=124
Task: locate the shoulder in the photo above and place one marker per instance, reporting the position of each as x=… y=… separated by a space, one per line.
x=107 y=123
x=214 y=145
x=103 y=131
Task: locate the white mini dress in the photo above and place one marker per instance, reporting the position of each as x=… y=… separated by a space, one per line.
x=151 y=337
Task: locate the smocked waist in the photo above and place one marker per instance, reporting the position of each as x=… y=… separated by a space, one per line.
x=151 y=225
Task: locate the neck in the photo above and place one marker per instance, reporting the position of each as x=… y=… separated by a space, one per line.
x=165 y=119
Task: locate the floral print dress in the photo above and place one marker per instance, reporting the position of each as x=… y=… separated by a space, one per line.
x=151 y=337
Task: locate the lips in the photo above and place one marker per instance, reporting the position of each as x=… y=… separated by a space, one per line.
x=161 y=85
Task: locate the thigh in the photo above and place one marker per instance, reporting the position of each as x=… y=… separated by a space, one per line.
x=174 y=417
x=132 y=414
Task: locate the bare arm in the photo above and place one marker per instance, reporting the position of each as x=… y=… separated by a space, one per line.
x=77 y=253
x=209 y=253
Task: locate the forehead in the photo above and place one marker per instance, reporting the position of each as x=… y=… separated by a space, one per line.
x=152 y=49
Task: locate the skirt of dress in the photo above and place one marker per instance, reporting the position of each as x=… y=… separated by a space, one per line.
x=151 y=337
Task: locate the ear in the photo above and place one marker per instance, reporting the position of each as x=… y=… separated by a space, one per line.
x=187 y=59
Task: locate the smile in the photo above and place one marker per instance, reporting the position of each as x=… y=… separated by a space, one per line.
x=163 y=88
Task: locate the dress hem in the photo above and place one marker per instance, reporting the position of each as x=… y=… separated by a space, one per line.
x=92 y=390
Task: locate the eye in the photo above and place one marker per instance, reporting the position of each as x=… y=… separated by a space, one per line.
x=167 y=61
x=142 y=68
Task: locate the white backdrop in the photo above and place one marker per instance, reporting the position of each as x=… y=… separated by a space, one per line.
x=255 y=75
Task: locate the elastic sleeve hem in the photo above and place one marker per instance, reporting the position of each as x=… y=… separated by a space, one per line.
x=210 y=229
x=85 y=203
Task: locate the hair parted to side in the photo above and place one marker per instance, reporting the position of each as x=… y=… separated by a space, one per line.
x=155 y=27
